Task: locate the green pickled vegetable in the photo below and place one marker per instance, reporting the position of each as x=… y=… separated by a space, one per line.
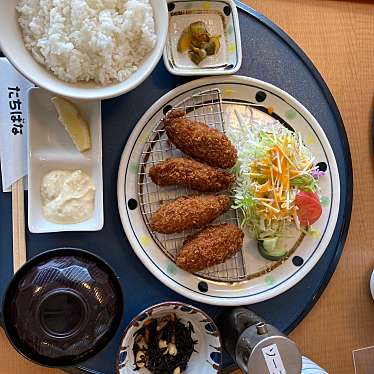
x=198 y=42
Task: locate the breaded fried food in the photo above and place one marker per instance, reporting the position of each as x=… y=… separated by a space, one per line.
x=182 y=171
x=210 y=246
x=189 y=212
x=199 y=141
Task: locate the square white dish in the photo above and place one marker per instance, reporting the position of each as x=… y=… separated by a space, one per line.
x=221 y=18
x=50 y=147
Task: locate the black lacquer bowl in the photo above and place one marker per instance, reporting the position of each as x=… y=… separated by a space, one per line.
x=62 y=307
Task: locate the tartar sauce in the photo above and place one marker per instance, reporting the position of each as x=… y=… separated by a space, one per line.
x=67 y=196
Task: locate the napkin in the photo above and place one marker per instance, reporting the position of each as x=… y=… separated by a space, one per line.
x=13 y=124
x=310 y=367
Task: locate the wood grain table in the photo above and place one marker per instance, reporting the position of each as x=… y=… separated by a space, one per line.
x=339 y=38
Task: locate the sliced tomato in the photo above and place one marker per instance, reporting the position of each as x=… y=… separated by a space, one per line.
x=309 y=207
x=307 y=195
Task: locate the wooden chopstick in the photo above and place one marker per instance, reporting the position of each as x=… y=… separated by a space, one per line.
x=18 y=224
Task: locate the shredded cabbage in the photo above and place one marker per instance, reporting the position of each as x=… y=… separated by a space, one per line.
x=273 y=166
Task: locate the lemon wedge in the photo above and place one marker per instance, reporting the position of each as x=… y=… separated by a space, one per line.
x=74 y=123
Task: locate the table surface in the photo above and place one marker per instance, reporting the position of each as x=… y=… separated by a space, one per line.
x=338 y=36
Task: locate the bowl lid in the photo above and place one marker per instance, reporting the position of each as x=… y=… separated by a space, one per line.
x=62 y=307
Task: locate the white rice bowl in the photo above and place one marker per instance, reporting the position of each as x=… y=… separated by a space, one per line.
x=88 y=40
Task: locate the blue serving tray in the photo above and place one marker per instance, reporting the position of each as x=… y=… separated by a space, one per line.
x=268 y=54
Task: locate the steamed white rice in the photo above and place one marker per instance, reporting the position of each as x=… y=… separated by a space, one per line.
x=84 y=40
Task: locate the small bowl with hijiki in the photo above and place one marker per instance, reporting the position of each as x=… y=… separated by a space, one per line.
x=170 y=338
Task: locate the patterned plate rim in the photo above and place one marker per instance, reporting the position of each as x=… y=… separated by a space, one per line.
x=139 y=250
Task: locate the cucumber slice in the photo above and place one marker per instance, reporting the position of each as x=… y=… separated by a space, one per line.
x=270 y=244
x=268 y=249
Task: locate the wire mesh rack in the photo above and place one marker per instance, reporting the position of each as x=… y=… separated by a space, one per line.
x=205 y=106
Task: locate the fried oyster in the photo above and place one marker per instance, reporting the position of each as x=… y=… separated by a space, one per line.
x=189 y=212
x=182 y=171
x=210 y=246
x=198 y=140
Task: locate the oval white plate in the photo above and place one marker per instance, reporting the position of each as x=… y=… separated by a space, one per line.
x=245 y=279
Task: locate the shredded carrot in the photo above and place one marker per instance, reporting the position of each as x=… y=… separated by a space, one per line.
x=278 y=168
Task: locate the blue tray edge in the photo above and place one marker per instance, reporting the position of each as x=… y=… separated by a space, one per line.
x=349 y=187
x=348 y=207
x=330 y=99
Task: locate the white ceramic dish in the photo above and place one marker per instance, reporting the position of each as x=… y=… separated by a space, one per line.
x=206 y=359
x=221 y=18
x=11 y=44
x=50 y=148
x=246 y=278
